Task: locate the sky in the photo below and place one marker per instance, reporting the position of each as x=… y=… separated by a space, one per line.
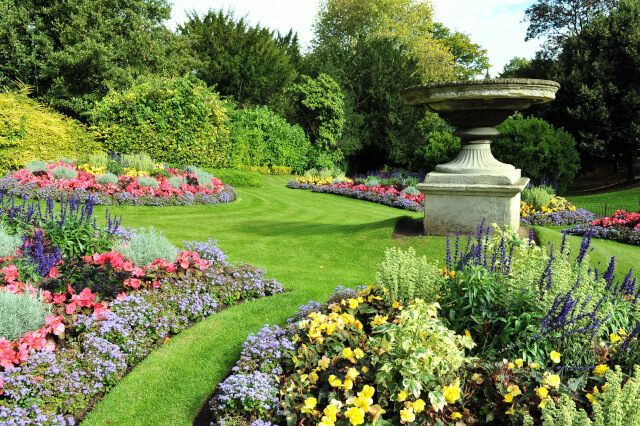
x=493 y=24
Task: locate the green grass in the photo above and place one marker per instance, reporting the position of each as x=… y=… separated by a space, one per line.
x=626 y=198
x=309 y=242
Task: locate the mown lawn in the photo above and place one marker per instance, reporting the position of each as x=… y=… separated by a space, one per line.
x=308 y=242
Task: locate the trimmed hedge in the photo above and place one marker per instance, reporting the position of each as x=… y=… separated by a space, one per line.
x=237 y=178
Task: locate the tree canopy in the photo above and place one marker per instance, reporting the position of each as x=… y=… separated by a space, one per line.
x=251 y=64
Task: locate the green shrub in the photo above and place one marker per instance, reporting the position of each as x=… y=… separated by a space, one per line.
x=36 y=166
x=411 y=181
x=141 y=162
x=536 y=147
x=144 y=181
x=411 y=190
x=204 y=178
x=62 y=172
x=174 y=120
x=29 y=130
x=177 y=181
x=260 y=137
x=8 y=241
x=107 y=178
x=263 y=170
x=440 y=148
x=147 y=245
x=237 y=178
x=281 y=170
x=537 y=196
x=408 y=276
x=20 y=313
x=96 y=159
x=67 y=161
x=618 y=406
x=371 y=181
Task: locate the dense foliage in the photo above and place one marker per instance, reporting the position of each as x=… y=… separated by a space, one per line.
x=249 y=64
x=260 y=137
x=175 y=120
x=29 y=131
x=74 y=52
x=536 y=147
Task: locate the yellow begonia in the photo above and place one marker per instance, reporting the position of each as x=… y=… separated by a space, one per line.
x=352 y=373
x=348 y=384
x=519 y=362
x=330 y=411
x=313 y=377
x=323 y=363
x=542 y=392
x=402 y=395
x=334 y=381
x=326 y=422
x=407 y=415
x=555 y=356
x=508 y=398
x=451 y=393
x=514 y=390
x=418 y=406
x=367 y=392
x=600 y=370
x=358 y=353
x=309 y=405
x=455 y=415
x=355 y=415
x=552 y=380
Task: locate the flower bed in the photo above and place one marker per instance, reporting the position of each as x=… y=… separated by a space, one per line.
x=487 y=351
x=557 y=212
x=104 y=313
x=129 y=189
x=623 y=227
x=389 y=196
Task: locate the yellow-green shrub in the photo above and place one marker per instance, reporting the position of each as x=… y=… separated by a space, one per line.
x=281 y=170
x=174 y=120
x=29 y=131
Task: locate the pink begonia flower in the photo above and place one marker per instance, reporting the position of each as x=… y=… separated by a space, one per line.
x=1 y=385
x=71 y=308
x=50 y=346
x=59 y=298
x=23 y=352
x=12 y=288
x=121 y=297
x=85 y=298
x=55 y=324
x=53 y=273
x=134 y=283
x=46 y=295
x=99 y=310
x=138 y=272
x=156 y=284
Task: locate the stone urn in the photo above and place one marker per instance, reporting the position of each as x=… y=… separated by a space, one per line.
x=475 y=186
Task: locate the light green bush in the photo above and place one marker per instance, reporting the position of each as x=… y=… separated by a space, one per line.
x=141 y=162
x=20 y=313
x=29 y=130
x=174 y=120
x=408 y=276
x=36 y=165
x=237 y=178
x=204 y=178
x=177 y=181
x=537 y=196
x=144 y=181
x=96 y=159
x=411 y=190
x=107 y=178
x=147 y=245
x=618 y=406
x=8 y=241
x=62 y=172
x=371 y=181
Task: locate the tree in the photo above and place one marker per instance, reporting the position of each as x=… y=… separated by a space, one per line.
x=469 y=59
x=247 y=63
x=559 y=19
x=80 y=49
x=600 y=78
x=512 y=68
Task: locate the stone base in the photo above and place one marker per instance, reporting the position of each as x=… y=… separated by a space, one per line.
x=463 y=206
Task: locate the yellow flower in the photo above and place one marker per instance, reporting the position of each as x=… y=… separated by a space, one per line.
x=352 y=373
x=313 y=377
x=519 y=362
x=514 y=390
x=348 y=384
x=455 y=415
x=353 y=303
x=542 y=403
x=591 y=398
x=358 y=353
x=365 y=369
x=334 y=381
x=452 y=392
x=600 y=370
x=363 y=403
x=330 y=411
x=555 y=356
x=309 y=405
x=326 y=422
x=418 y=406
x=510 y=411
x=534 y=365
x=402 y=395
x=395 y=304
x=407 y=415
x=367 y=392
x=542 y=392
x=614 y=337
x=508 y=398
x=347 y=353
x=466 y=332
x=552 y=380
x=323 y=363
x=355 y=415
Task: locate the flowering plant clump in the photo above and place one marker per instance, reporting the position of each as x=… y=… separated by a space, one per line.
x=361 y=359
x=128 y=189
x=106 y=312
x=623 y=227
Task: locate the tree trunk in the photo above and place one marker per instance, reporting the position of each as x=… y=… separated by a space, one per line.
x=631 y=160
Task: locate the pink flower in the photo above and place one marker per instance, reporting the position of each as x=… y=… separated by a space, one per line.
x=49 y=346
x=71 y=308
x=53 y=273
x=134 y=283
x=99 y=310
x=85 y=298
x=137 y=272
x=1 y=385
x=121 y=297
x=59 y=298
x=55 y=324
x=156 y=284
